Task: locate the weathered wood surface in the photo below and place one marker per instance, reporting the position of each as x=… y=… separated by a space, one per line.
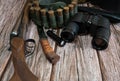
x=78 y=61
x=9 y=14
x=110 y=58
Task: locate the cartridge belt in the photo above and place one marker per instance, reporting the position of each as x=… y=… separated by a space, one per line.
x=54 y=14
x=82 y=1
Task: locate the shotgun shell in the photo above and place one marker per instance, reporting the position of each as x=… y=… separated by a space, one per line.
x=32 y=10
x=44 y=18
x=37 y=16
x=52 y=19
x=59 y=17
x=32 y=13
x=37 y=11
x=36 y=3
x=66 y=15
x=71 y=7
x=75 y=0
x=75 y=6
x=82 y=1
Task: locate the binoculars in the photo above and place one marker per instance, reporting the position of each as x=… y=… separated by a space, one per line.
x=83 y=23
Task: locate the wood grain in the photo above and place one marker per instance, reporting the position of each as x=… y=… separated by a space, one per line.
x=110 y=58
x=38 y=62
x=10 y=10
x=8 y=72
x=88 y=63
x=78 y=62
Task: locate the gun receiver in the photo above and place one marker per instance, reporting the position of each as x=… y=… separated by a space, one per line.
x=22 y=72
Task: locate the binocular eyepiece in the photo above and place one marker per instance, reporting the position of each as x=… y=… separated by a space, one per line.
x=95 y=25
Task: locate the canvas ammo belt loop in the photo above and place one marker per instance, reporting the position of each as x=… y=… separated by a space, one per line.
x=75 y=6
x=71 y=7
x=60 y=17
x=44 y=21
x=82 y=1
x=54 y=18
x=66 y=15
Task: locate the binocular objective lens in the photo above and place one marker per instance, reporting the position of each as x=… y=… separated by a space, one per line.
x=99 y=43
x=70 y=31
x=68 y=36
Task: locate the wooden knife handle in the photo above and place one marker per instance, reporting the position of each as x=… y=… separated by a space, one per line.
x=48 y=51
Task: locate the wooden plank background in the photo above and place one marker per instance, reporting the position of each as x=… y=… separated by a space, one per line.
x=78 y=60
x=9 y=13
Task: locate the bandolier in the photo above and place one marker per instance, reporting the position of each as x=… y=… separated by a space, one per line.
x=52 y=14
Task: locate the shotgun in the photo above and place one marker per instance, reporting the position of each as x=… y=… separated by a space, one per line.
x=17 y=45
x=20 y=28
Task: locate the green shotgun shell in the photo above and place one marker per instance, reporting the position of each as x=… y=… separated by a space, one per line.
x=52 y=19
x=36 y=3
x=71 y=11
x=59 y=17
x=44 y=20
x=37 y=13
x=66 y=15
x=33 y=14
x=75 y=6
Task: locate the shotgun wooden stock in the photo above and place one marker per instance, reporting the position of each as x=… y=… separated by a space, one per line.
x=21 y=72
x=48 y=51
